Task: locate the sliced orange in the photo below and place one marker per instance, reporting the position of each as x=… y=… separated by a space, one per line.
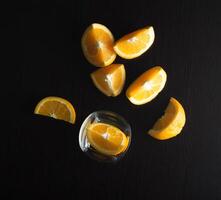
x=57 y=108
x=110 y=80
x=171 y=123
x=147 y=86
x=97 y=44
x=136 y=43
x=107 y=139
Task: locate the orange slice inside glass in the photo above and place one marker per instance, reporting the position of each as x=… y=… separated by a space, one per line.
x=107 y=139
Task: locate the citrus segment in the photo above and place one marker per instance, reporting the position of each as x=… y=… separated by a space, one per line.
x=171 y=123
x=97 y=45
x=57 y=108
x=110 y=80
x=147 y=86
x=107 y=139
x=136 y=43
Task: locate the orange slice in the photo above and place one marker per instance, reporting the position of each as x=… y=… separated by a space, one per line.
x=97 y=45
x=147 y=86
x=107 y=139
x=171 y=123
x=136 y=43
x=110 y=80
x=57 y=108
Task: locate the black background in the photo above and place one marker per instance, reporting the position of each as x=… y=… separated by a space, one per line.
x=41 y=158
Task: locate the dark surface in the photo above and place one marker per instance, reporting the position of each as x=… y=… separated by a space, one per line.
x=41 y=157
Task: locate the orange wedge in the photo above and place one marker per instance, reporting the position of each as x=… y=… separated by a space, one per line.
x=107 y=139
x=57 y=108
x=136 y=43
x=97 y=45
x=110 y=80
x=147 y=86
x=171 y=123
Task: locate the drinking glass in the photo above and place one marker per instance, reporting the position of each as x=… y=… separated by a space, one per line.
x=106 y=117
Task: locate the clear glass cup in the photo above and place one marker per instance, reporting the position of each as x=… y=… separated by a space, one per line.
x=108 y=118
